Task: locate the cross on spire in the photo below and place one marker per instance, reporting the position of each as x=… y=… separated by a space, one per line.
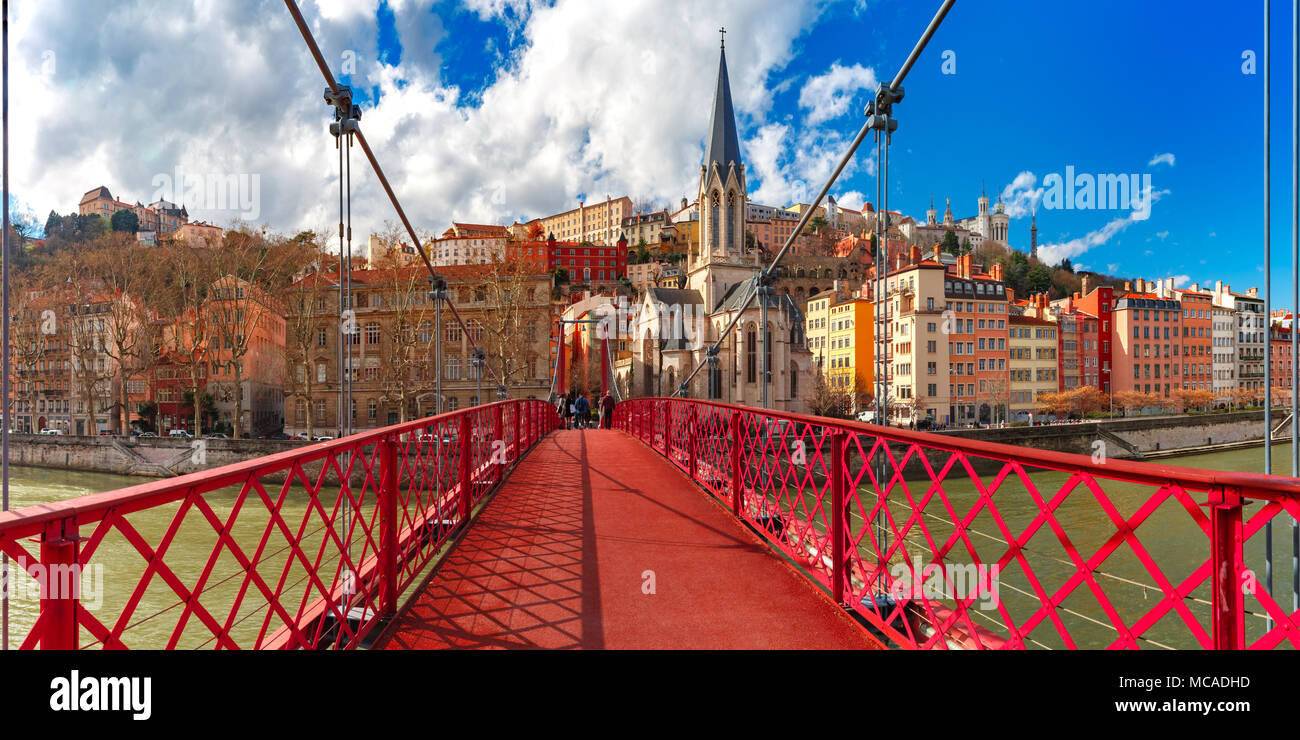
x=723 y=31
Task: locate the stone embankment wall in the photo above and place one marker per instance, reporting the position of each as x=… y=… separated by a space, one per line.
x=1137 y=437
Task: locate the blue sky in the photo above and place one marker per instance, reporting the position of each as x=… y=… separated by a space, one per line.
x=1104 y=87
x=503 y=109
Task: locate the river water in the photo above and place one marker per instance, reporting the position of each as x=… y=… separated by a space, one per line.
x=1170 y=535
x=116 y=567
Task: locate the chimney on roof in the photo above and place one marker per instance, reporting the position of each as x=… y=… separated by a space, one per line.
x=1011 y=296
x=1128 y=287
x=964 y=266
x=914 y=254
x=1140 y=285
x=997 y=272
x=1086 y=286
x=1195 y=287
x=1253 y=292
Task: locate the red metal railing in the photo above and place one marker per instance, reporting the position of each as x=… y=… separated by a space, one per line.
x=942 y=542
x=260 y=554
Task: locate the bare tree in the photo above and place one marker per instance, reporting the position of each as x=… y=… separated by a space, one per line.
x=250 y=269
x=311 y=318
x=514 y=316
x=407 y=335
x=182 y=295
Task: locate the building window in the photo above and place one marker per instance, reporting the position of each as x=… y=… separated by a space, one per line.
x=751 y=355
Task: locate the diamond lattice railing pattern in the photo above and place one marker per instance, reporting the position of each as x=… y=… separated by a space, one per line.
x=308 y=548
x=940 y=542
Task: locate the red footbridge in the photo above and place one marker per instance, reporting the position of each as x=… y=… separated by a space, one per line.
x=689 y=524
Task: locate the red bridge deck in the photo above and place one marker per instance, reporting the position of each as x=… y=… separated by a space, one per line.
x=564 y=554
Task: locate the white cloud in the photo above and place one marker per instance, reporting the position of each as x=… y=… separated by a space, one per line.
x=827 y=96
x=1181 y=280
x=1166 y=158
x=1022 y=196
x=1054 y=253
x=1162 y=234
x=229 y=87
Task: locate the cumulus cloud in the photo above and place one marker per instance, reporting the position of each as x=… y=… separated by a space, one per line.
x=1166 y=158
x=228 y=87
x=827 y=96
x=1022 y=195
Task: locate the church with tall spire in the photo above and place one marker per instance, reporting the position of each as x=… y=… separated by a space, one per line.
x=674 y=328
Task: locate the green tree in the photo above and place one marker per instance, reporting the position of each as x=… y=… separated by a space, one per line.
x=949 y=243
x=965 y=245
x=1039 y=278
x=126 y=221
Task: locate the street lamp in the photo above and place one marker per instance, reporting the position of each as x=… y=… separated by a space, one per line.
x=477 y=361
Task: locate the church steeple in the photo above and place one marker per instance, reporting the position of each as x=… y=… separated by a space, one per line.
x=724 y=144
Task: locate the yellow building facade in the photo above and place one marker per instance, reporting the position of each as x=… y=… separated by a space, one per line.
x=1033 y=364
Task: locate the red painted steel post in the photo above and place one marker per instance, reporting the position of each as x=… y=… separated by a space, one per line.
x=839 y=515
x=604 y=366
x=498 y=441
x=737 y=476
x=691 y=431
x=466 y=485
x=1227 y=600
x=559 y=347
x=61 y=588
x=518 y=407
x=668 y=424
x=388 y=525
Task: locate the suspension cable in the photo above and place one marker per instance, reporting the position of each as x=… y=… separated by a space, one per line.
x=335 y=89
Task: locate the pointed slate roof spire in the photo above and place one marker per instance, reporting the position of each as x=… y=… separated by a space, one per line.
x=724 y=144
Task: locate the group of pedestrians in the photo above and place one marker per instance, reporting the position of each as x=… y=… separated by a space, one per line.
x=575 y=410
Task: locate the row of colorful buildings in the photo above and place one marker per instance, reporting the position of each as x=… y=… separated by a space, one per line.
x=961 y=348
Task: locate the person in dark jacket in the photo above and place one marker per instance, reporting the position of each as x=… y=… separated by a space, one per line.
x=607 y=411
x=582 y=409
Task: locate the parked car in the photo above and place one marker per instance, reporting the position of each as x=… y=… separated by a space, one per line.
x=321 y=439
x=148 y=434
x=301 y=437
x=180 y=433
x=105 y=433
x=52 y=432
x=277 y=435
x=218 y=435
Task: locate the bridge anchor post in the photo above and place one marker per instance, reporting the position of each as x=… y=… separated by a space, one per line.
x=691 y=429
x=466 y=485
x=839 y=517
x=388 y=525
x=61 y=591
x=1227 y=601
x=736 y=476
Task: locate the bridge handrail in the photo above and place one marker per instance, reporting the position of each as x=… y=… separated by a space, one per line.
x=401 y=486
x=859 y=506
